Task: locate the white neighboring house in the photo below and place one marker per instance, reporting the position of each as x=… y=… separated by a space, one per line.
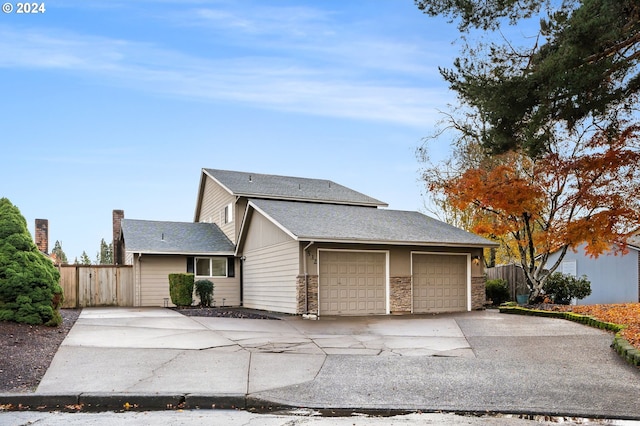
x=615 y=278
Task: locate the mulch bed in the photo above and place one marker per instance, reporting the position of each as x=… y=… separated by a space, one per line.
x=227 y=312
x=27 y=351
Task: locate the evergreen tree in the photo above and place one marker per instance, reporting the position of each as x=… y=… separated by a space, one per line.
x=84 y=259
x=583 y=66
x=29 y=282
x=105 y=255
x=59 y=254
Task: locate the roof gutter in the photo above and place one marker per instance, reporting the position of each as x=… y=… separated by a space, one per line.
x=185 y=253
x=395 y=242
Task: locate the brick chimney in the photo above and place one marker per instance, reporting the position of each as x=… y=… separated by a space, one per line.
x=42 y=235
x=118 y=246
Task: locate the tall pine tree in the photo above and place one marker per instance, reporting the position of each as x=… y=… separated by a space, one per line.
x=105 y=255
x=582 y=67
x=58 y=254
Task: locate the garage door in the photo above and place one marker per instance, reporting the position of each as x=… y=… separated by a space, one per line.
x=439 y=283
x=352 y=283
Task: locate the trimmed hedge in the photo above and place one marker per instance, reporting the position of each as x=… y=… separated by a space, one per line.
x=626 y=350
x=583 y=319
x=620 y=344
x=181 y=289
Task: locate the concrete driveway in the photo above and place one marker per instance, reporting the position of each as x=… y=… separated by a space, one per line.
x=476 y=361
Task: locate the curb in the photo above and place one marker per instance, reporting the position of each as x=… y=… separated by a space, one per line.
x=97 y=402
x=38 y=402
x=620 y=344
x=122 y=402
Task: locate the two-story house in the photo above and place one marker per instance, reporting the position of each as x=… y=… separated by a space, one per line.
x=298 y=245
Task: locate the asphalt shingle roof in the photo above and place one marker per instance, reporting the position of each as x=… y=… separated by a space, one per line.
x=323 y=222
x=149 y=236
x=256 y=185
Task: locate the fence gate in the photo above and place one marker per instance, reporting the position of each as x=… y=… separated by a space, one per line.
x=96 y=285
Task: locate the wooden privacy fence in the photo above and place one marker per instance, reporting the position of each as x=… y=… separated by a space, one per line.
x=96 y=285
x=513 y=275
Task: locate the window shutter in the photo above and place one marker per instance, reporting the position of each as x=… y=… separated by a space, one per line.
x=231 y=267
x=190 y=263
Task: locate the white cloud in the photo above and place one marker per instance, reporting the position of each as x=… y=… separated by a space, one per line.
x=358 y=78
x=282 y=22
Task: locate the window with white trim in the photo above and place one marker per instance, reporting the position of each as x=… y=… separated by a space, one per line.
x=211 y=266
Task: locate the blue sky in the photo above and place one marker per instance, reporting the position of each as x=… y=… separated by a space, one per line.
x=119 y=105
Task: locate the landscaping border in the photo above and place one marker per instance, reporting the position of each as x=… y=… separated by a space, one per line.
x=620 y=344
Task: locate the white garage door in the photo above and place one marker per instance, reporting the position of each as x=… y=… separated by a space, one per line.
x=352 y=283
x=439 y=283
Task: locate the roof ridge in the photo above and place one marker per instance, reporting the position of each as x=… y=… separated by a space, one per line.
x=262 y=185
x=271 y=175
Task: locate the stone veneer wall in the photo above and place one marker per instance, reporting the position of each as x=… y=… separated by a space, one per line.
x=400 y=294
x=478 y=294
x=312 y=294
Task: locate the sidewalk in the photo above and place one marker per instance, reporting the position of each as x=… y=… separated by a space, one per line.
x=153 y=358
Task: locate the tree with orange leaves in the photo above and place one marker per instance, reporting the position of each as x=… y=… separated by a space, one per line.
x=577 y=192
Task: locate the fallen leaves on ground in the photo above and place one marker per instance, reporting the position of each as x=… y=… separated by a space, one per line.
x=621 y=313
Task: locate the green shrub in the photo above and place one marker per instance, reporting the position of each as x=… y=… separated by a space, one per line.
x=29 y=282
x=497 y=290
x=56 y=319
x=58 y=297
x=562 y=288
x=181 y=289
x=204 y=290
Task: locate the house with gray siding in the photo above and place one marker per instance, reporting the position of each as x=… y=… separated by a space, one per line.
x=614 y=276
x=310 y=246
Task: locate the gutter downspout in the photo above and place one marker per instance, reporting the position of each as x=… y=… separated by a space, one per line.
x=242 y=258
x=306 y=278
x=138 y=289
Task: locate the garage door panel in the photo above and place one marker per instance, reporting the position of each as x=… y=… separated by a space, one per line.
x=439 y=283
x=360 y=278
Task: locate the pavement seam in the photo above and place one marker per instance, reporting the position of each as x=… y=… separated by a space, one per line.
x=317 y=346
x=465 y=338
x=153 y=371
x=323 y=352
x=246 y=392
x=321 y=367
